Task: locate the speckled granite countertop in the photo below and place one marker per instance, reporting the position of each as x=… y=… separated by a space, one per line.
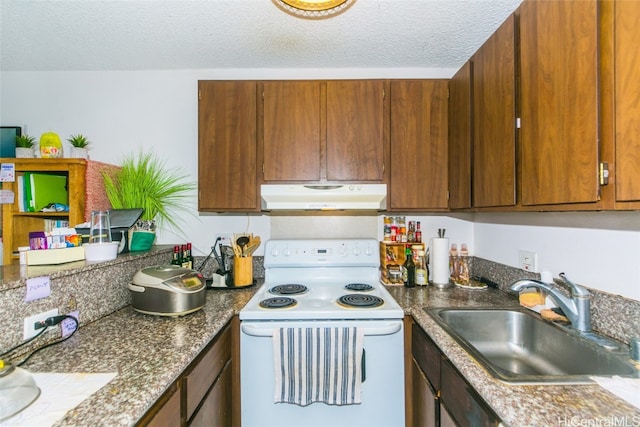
x=147 y=352
x=516 y=405
x=150 y=352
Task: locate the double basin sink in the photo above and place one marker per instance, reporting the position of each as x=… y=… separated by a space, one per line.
x=517 y=346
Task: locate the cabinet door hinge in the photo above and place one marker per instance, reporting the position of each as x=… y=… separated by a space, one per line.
x=604 y=173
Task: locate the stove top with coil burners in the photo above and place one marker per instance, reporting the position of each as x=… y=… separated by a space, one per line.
x=322 y=279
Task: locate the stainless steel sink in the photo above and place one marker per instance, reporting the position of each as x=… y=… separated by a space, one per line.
x=516 y=345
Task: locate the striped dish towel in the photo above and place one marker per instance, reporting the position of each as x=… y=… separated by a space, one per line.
x=318 y=365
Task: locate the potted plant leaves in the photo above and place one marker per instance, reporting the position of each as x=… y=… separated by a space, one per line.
x=144 y=181
x=24 y=146
x=79 y=146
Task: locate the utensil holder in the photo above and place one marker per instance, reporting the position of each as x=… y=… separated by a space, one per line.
x=242 y=271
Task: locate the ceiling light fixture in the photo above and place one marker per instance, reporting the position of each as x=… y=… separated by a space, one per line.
x=314 y=9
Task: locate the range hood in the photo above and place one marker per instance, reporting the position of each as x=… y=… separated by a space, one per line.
x=323 y=197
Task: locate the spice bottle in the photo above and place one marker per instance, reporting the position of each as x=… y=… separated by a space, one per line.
x=418 y=235
x=402 y=229
x=411 y=232
x=387 y=229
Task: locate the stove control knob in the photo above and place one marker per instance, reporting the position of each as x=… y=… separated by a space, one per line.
x=275 y=251
x=287 y=252
x=357 y=251
x=368 y=251
x=343 y=251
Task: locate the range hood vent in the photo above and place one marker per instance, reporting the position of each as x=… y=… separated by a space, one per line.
x=324 y=197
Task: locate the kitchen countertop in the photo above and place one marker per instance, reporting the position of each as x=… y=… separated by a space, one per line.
x=150 y=352
x=515 y=405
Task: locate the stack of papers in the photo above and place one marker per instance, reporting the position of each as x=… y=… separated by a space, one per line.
x=59 y=394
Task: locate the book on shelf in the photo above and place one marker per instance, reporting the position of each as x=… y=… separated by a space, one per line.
x=21 y=196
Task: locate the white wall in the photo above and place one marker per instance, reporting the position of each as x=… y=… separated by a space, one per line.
x=122 y=112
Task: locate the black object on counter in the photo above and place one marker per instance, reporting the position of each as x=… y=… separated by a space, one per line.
x=489 y=283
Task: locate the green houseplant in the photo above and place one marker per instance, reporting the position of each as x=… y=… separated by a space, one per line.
x=144 y=181
x=24 y=146
x=79 y=146
x=79 y=141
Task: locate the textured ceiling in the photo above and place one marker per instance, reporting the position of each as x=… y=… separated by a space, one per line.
x=210 y=34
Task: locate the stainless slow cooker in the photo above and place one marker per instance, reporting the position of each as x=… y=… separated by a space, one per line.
x=167 y=290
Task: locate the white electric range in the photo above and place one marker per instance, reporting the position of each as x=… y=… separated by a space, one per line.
x=323 y=283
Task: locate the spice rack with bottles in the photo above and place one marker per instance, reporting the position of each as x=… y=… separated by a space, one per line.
x=392 y=257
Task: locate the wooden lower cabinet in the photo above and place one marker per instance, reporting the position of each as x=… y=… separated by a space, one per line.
x=204 y=394
x=424 y=402
x=165 y=413
x=446 y=420
x=216 y=406
x=439 y=395
x=461 y=400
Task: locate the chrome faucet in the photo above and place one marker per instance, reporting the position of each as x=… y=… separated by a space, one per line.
x=576 y=307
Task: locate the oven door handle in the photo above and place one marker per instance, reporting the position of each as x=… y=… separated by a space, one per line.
x=388 y=329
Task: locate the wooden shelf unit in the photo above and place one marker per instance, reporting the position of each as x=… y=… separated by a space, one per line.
x=16 y=225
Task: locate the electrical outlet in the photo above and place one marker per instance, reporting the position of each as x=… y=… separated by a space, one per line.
x=29 y=322
x=225 y=238
x=528 y=261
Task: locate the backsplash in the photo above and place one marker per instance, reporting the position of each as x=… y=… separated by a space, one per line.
x=611 y=315
x=94 y=289
x=97 y=290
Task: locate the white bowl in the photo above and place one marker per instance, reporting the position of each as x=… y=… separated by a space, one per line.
x=100 y=251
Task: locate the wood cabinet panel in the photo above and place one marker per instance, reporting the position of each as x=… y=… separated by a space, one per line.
x=445 y=418
x=460 y=137
x=423 y=399
x=462 y=401
x=227 y=146
x=494 y=119
x=216 y=410
x=419 y=149
x=199 y=380
x=356 y=112
x=292 y=130
x=627 y=100
x=559 y=99
x=167 y=413
x=427 y=355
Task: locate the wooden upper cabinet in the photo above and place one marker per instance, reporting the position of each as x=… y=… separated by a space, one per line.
x=494 y=119
x=460 y=138
x=227 y=146
x=627 y=100
x=324 y=131
x=356 y=111
x=292 y=130
x=559 y=99
x=419 y=150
